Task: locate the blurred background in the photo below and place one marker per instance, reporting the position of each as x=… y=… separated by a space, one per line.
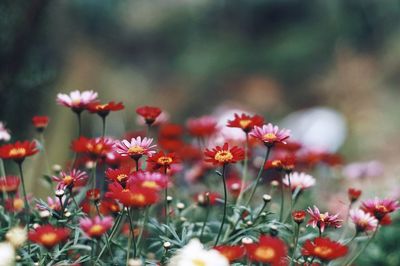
x=330 y=65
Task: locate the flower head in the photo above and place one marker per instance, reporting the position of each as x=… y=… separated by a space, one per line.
x=270 y=134
x=40 y=122
x=9 y=184
x=48 y=235
x=202 y=127
x=120 y=175
x=70 y=179
x=153 y=180
x=269 y=249
x=353 y=194
x=149 y=113
x=76 y=100
x=298 y=180
x=4 y=132
x=246 y=122
x=285 y=163
x=232 y=253
x=324 y=249
x=18 y=151
x=207 y=198
x=299 y=216
x=223 y=155
x=132 y=195
x=96 y=227
x=363 y=220
x=104 y=109
x=136 y=148
x=323 y=220
x=163 y=160
x=93 y=194
x=96 y=148
x=380 y=207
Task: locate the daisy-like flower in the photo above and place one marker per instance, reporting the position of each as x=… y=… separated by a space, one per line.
x=223 y=155
x=153 y=180
x=40 y=122
x=270 y=134
x=194 y=254
x=15 y=204
x=18 y=151
x=202 y=127
x=149 y=113
x=52 y=203
x=120 y=175
x=96 y=227
x=232 y=253
x=132 y=195
x=323 y=220
x=299 y=216
x=70 y=179
x=380 y=207
x=48 y=235
x=353 y=194
x=96 y=148
x=284 y=163
x=4 y=132
x=76 y=100
x=9 y=184
x=269 y=249
x=162 y=160
x=104 y=109
x=136 y=148
x=246 y=122
x=93 y=194
x=324 y=249
x=298 y=180
x=363 y=220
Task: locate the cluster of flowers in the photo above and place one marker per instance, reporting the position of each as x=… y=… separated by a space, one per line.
x=118 y=193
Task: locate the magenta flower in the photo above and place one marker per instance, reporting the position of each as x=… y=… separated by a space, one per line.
x=363 y=220
x=70 y=179
x=96 y=227
x=380 y=207
x=322 y=220
x=136 y=148
x=152 y=180
x=76 y=100
x=298 y=181
x=270 y=134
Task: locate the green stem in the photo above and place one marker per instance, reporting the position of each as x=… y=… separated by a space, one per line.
x=296 y=239
x=131 y=236
x=282 y=199
x=26 y=207
x=103 y=132
x=145 y=219
x=78 y=114
x=166 y=207
x=205 y=221
x=346 y=222
x=363 y=248
x=113 y=231
x=46 y=157
x=225 y=204
x=244 y=174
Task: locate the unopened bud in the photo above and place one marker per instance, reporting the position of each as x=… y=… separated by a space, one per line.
x=44 y=214
x=266 y=198
x=247 y=240
x=274 y=183
x=60 y=192
x=167 y=245
x=169 y=199
x=273 y=230
x=180 y=205
x=56 y=168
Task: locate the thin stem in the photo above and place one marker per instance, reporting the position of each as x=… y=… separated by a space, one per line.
x=78 y=114
x=346 y=222
x=137 y=164
x=296 y=239
x=3 y=176
x=225 y=204
x=46 y=157
x=205 y=221
x=363 y=248
x=131 y=236
x=282 y=199
x=143 y=226
x=166 y=207
x=103 y=132
x=113 y=231
x=244 y=174
x=26 y=207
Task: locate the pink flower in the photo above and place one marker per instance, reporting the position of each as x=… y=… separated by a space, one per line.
x=298 y=181
x=322 y=220
x=380 y=207
x=96 y=226
x=52 y=203
x=77 y=100
x=152 y=180
x=270 y=134
x=70 y=179
x=4 y=133
x=363 y=220
x=136 y=148
x=202 y=127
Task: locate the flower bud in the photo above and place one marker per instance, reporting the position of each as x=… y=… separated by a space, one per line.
x=299 y=216
x=266 y=198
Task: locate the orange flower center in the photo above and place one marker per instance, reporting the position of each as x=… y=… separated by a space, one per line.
x=382 y=209
x=68 y=180
x=323 y=251
x=136 y=197
x=244 y=123
x=101 y=106
x=122 y=177
x=164 y=160
x=48 y=239
x=18 y=204
x=17 y=152
x=136 y=150
x=276 y=163
x=269 y=136
x=322 y=217
x=198 y=262
x=96 y=230
x=265 y=253
x=223 y=156
x=150 y=184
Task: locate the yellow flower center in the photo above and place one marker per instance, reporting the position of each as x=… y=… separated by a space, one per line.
x=48 y=239
x=382 y=208
x=101 y=106
x=150 y=184
x=68 y=180
x=96 y=230
x=136 y=150
x=122 y=177
x=322 y=217
x=265 y=253
x=17 y=152
x=269 y=136
x=323 y=251
x=18 y=204
x=223 y=156
x=136 y=197
x=244 y=123
x=164 y=160
x=198 y=262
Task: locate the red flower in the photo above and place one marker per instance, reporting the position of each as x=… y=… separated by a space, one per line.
x=95 y=148
x=234 y=185
x=104 y=109
x=40 y=122
x=48 y=235
x=232 y=253
x=120 y=175
x=170 y=131
x=207 y=198
x=97 y=226
x=108 y=206
x=16 y=204
x=354 y=194
x=202 y=127
x=162 y=160
x=223 y=155
x=9 y=184
x=246 y=122
x=70 y=179
x=270 y=250
x=93 y=194
x=299 y=216
x=324 y=249
x=18 y=151
x=322 y=220
x=132 y=196
x=286 y=163
x=380 y=207
x=149 y=113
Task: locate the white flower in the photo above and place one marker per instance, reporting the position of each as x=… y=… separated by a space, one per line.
x=76 y=99
x=193 y=254
x=7 y=254
x=4 y=133
x=298 y=180
x=16 y=236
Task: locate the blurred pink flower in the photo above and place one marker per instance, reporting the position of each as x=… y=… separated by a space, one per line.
x=322 y=220
x=77 y=100
x=96 y=226
x=4 y=132
x=363 y=169
x=363 y=220
x=298 y=180
x=270 y=134
x=136 y=148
